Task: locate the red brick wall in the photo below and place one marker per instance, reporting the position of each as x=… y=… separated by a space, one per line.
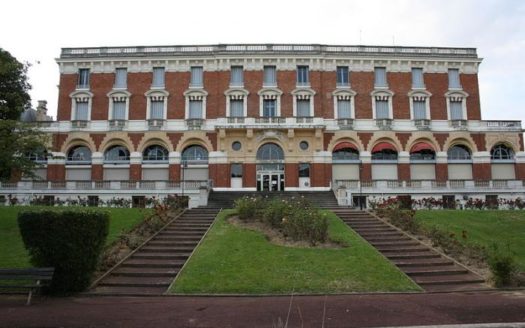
x=437 y=85
x=253 y=81
x=100 y=85
x=320 y=174
x=286 y=81
x=135 y=172
x=174 y=172
x=220 y=174
x=68 y=83
x=403 y=172
x=481 y=171
x=520 y=171
x=400 y=84
x=366 y=172
x=248 y=175
x=97 y=172
x=469 y=82
x=363 y=84
x=291 y=174
x=328 y=85
x=441 y=172
x=56 y=172
x=138 y=85
x=176 y=84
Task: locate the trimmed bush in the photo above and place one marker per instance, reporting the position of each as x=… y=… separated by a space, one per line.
x=70 y=241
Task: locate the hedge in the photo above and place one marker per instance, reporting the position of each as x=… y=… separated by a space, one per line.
x=71 y=241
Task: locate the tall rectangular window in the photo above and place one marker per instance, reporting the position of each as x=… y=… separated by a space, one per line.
x=304 y=170
x=302 y=75
x=344 y=109
x=236 y=76
x=380 y=77
x=121 y=78
x=236 y=170
x=81 y=110
x=456 y=110
x=270 y=76
x=119 y=110
x=195 y=110
x=342 y=76
x=303 y=107
x=420 y=109
x=417 y=78
x=453 y=79
x=83 y=78
x=382 y=110
x=236 y=108
x=196 y=76
x=158 y=77
x=157 y=110
x=269 y=108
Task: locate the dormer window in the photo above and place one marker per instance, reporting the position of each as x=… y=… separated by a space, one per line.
x=453 y=79
x=158 y=77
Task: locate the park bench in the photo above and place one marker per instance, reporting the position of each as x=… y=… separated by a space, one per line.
x=30 y=279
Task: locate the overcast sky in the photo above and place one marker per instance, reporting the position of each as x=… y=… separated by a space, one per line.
x=34 y=31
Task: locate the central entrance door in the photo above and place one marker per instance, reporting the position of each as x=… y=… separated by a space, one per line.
x=270 y=168
x=270 y=181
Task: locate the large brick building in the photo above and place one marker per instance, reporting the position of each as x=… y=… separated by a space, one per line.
x=355 y=119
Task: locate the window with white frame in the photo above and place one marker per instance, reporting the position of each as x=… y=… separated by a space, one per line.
x=453 y=79
x=343 y=77
x=157 y=108
x=456 y=109
x=419 y=107
x=344 y=107
x=269 y=108
x=270 y=76
x=121 y=78
x=302 y=75
x=81 y=109
x=195 y=108
x=380 y=80
x=236 y=107
x=119 y=108
x=196 y=76
x=236 y=78
x=382 y=107
x=303 y=107
x=417 y=78
x=158 y=77
x=83 y=78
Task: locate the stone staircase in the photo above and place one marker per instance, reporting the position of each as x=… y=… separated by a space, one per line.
x=150 y=270
x=426 y=267
x=225 y=199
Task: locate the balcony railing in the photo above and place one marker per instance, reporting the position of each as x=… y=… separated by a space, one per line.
x=273 y=120
x=345 y=123
x=117 y=125
x=458 y=124
x=422 y=124
x=429 y=185
x=194 y=123
x=304 y=119
x=156 y=124
x=35 y=186
x=79 y=124
x=502 y=125
x=384 y=123
x=235 y=119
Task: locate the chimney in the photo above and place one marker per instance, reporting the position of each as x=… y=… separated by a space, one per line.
x=41 y=110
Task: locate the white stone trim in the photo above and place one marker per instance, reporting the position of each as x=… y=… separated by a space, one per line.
x=347 y=94
x=195 y=94
x=419 y=93
x=386 y=94
x=135 y=158
x=270 y=93
x=156 y=94
x=238 y=94
x=458 y=95
x=303 y=93
x=120 y=94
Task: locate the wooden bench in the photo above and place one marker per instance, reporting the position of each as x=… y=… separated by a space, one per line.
x=38 y=276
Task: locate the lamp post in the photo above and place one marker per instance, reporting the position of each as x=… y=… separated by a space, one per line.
x=360 y=186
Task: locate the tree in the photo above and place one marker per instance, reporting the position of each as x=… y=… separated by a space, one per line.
x=17 y=139
x=14 y=87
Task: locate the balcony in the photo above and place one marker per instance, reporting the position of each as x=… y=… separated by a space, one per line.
x=194 y=123
x=384 y=123
x=502 y=125
x=345 y=123
x=235 y=120
x=304 y=119
x=79 y=124
x=117 y=125
x=430 y=186
x=272 y=120
x=458 y=124
x=422 y=124
x=156 y=124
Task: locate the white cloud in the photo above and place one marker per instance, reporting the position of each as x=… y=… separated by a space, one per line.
x=497 y=28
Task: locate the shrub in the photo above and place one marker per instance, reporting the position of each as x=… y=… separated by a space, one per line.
x=70 y=241
x=274 y=211
x=248 y=207
x=306 y=224
x=503 y=266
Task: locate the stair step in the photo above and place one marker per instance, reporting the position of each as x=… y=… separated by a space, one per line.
x=178 y=238
x=433 y=271
x=180 y=233
x=137 y=281
x=415 y=263
x=378 y=244
x=412 y=256
x=387 y=238
x=161 y=272
x=417 y=249
x=155 y=242
x=157 y=256
x=164 y=249
x=448 y=280
x=128 y=291
x=379 y=234
x=153 y=263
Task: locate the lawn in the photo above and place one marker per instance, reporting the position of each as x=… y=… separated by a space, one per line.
x=12 y=251
x=482 y=227
x=236 y=260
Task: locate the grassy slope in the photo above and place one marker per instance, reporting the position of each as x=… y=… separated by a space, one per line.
x=236 y=260
x=483 y=227
x=12 y=251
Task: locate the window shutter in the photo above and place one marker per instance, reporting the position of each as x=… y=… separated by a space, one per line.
x=417 y=78
x=270 y=77
x=157 y=109
x=195 y=109
x=453 y=79
x=343 y=108
x=382 y=109
x=456 y=110
x=380 y=77
x=236 y=108
x=269 y=108
x=236 y=76
x=119 y=110
x=81 y=113
x=121 y=78
x=196 y=76
x=303 y=107
x=158 y=77
x=420 y=109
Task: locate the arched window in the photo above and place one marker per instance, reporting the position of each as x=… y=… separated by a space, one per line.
x=422 y=152
x=345 y=151
x=195 y=153
x=458 y=152
x=117 y=154
x=270 y=152
x=501 y=152
x=384 y=151
x=79 y=155
x=155 y=153
x=38 y=156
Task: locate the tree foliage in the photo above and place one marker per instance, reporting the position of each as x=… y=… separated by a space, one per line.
x=17 y=139
x=14 y=87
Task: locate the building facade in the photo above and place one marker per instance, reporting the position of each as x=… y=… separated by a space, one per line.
x=359 y=120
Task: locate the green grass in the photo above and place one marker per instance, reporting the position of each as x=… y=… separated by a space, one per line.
x=12 y=251
x=482 y=227
x=236 y=260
